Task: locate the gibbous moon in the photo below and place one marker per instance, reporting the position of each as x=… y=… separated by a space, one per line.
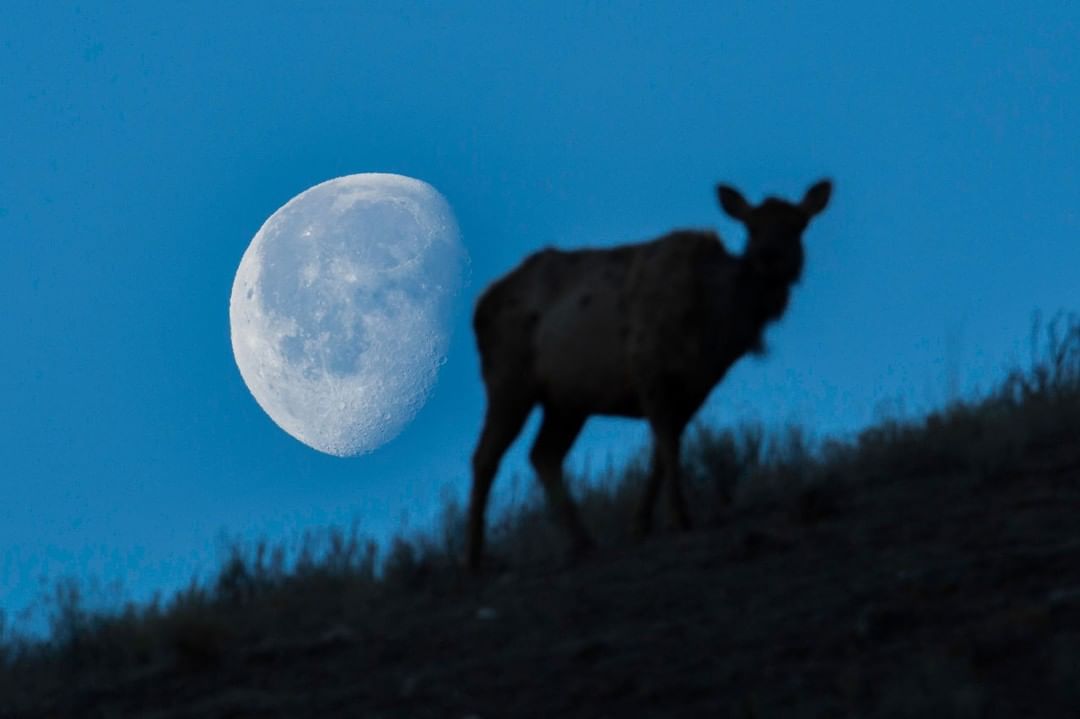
x=340 y=309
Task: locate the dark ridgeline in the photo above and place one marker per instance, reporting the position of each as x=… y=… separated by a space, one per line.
x=925 y=567
x=643 y=330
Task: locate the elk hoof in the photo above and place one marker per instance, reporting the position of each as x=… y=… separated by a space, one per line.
x=472 y=562
x=583 y=545
x=580 y=548
x=642 y=527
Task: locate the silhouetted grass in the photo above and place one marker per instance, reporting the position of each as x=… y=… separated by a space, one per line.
x=264 y=593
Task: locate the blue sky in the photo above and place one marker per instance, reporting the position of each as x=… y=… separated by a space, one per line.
x=142 y=145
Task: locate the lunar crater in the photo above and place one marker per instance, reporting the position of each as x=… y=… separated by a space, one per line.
x=340 y=309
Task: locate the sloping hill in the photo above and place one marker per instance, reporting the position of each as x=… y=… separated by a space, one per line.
x=927 y=569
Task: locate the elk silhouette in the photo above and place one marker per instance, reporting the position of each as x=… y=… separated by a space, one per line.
x=642 y=330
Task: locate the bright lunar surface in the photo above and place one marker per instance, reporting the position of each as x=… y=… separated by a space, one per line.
x=340 y=309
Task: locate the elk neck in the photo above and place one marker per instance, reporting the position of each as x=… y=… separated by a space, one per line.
x=740 y=315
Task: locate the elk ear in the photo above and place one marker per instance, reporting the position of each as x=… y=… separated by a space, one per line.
x=733 y=202
x=816 y=198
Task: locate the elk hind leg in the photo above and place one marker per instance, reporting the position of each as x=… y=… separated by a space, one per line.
x=502 y=423
x=556 y=436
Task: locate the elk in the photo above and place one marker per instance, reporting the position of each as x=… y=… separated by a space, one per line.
x=641 y=330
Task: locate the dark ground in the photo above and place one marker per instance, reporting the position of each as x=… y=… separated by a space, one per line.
x=949 y=595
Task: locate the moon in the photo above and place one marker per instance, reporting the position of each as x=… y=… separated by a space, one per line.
x=340 y=310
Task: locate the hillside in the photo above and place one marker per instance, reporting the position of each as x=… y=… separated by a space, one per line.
x=929 y=568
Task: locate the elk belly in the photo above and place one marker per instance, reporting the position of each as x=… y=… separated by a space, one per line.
x=580 y=355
